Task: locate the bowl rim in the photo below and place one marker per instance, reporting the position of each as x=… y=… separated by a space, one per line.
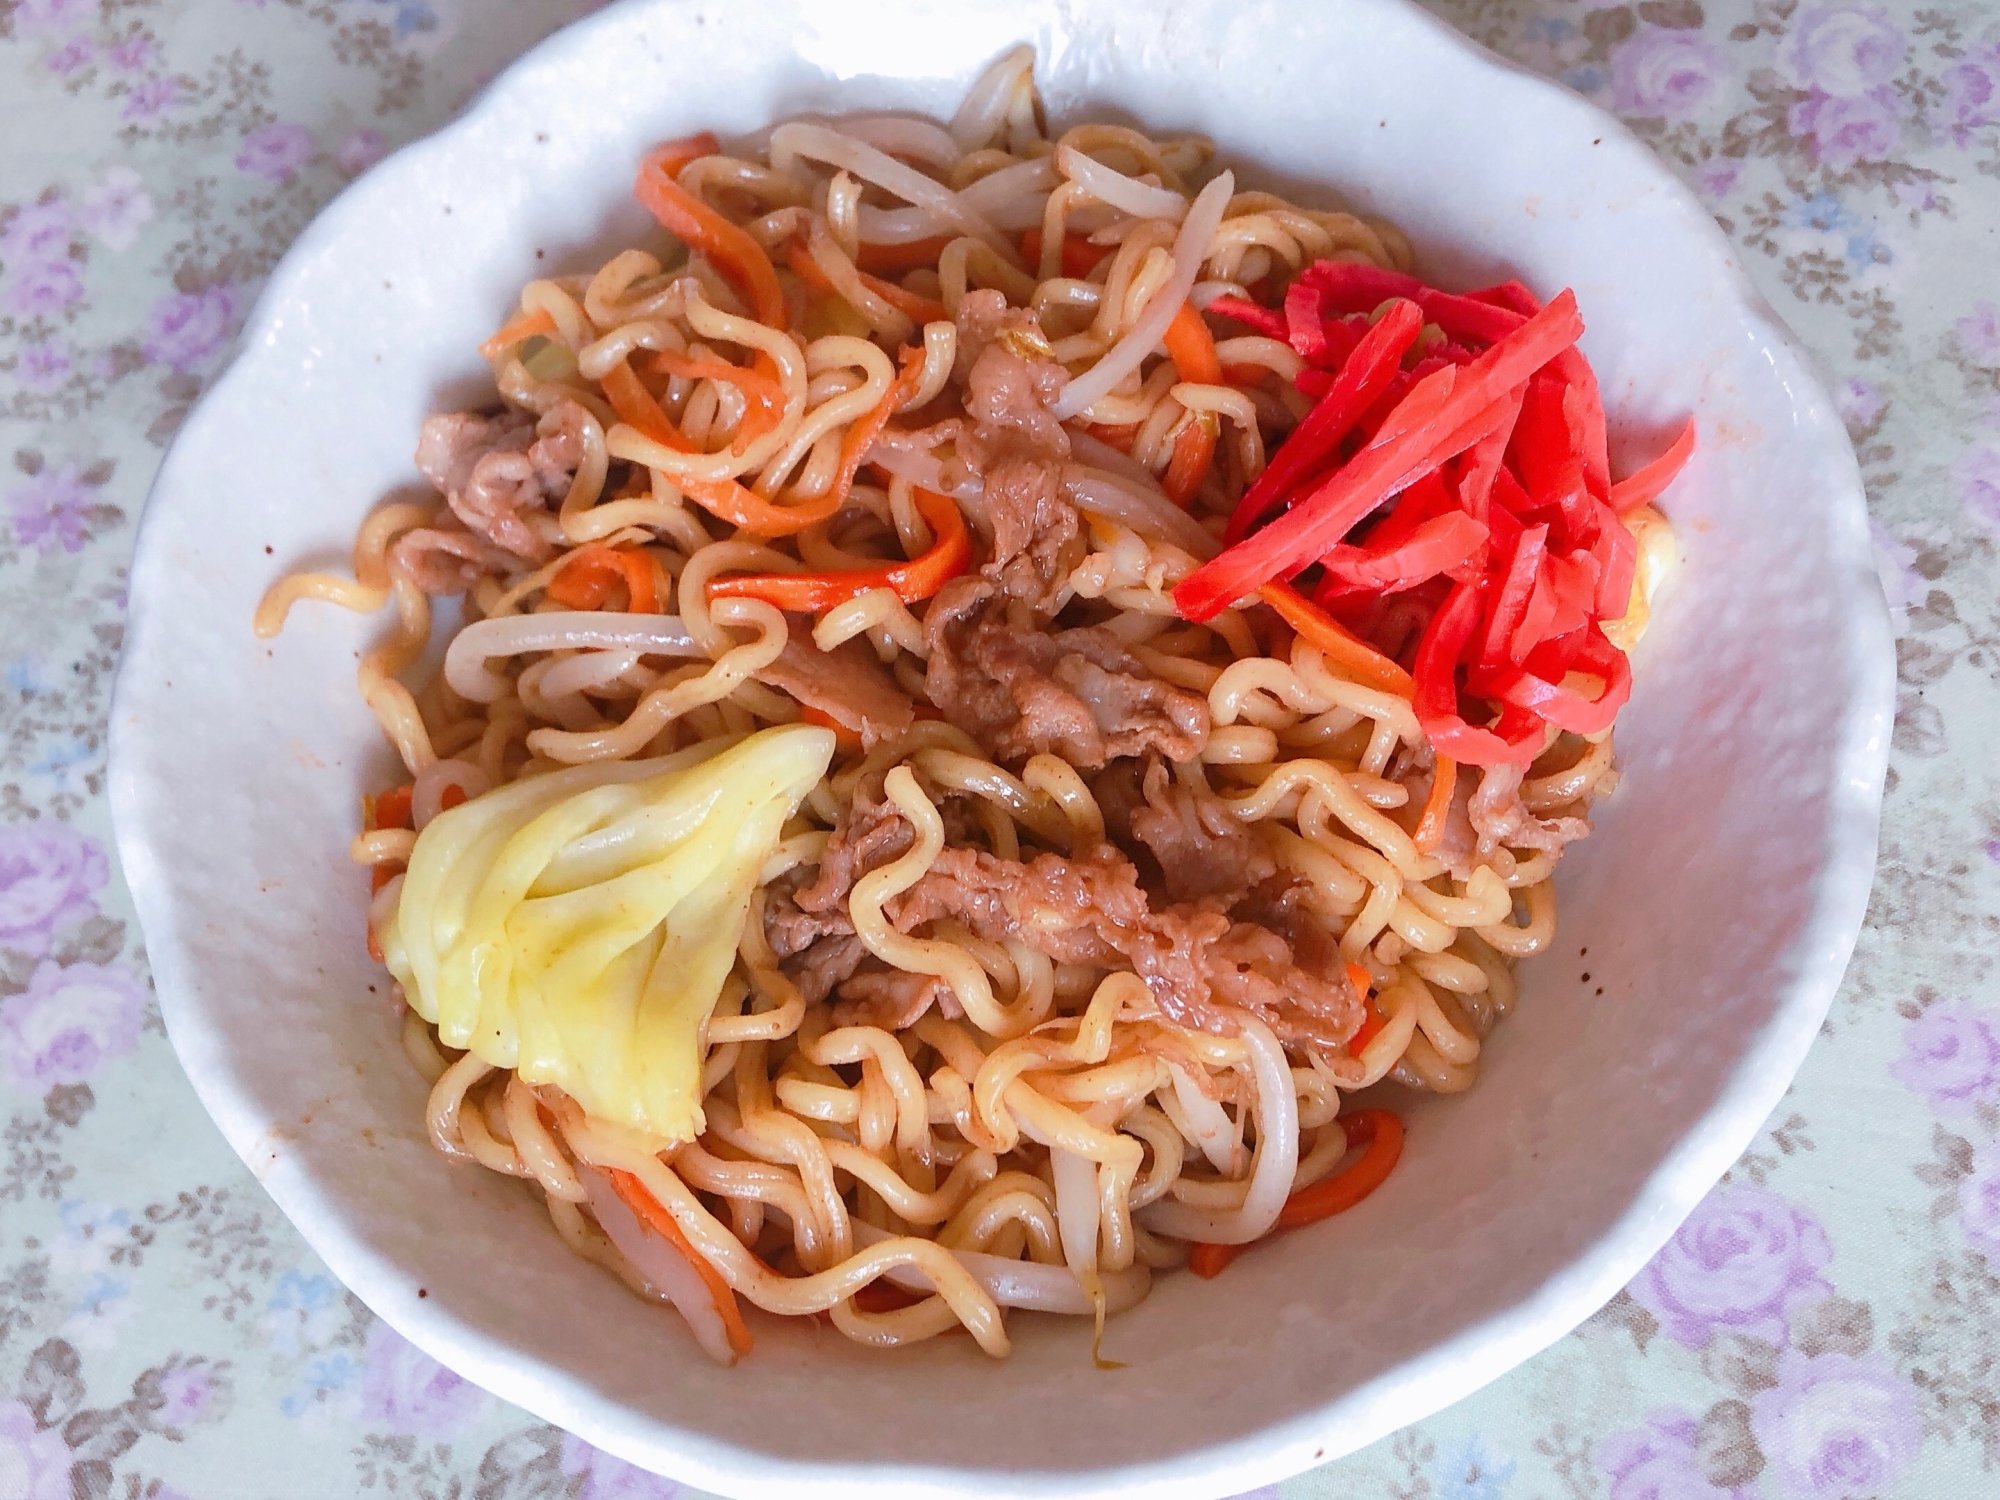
x=1407 y=1392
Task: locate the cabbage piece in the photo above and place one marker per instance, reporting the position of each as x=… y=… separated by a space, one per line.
x=578 y=926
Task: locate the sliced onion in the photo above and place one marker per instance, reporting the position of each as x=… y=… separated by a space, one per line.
x=1011 y=199
x=904 y=135
x=1272 y=1172
x=561 y=630
x=1108 y=185
x=1125 y=356
x=1023 y=1283
x=821 y=143
x=1147 y=512
x=660 y=1263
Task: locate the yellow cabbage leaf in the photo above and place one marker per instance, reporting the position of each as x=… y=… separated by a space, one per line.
x=578 y=926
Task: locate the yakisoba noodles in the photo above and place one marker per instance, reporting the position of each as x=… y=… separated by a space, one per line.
x=1002 y=678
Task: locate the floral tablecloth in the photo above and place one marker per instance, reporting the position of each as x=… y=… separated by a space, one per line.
x=1826 y=1326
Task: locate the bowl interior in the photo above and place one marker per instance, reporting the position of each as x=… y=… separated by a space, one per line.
x=1703 y=926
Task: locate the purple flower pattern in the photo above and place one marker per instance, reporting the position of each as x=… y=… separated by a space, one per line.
x=1951 y=1055
x=405 y=1390
x=1975 y=479
x=275 y=152
x=188 y=329
x=68 y=1023
x=594 y=1474
x=1667 y=73
x=50 y=875
x=1743 y=1259
x=1837 y=1427
x=1657 y=1462
x=35 y=1463
x=48 y=510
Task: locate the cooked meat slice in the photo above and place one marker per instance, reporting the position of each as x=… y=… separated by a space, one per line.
x=1077 y=693
x=1202 y=847
x=499 y=473
x=1037 y=535
x=790 y=929
x=1198 y=965
x=826 y=964
x=1500 y=819
x=871 y=832
x=847 y=684
x=893 y=1000
x=447 y=562
x=450 y=443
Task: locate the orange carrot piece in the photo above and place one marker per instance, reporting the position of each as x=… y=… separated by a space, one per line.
x=525 y=326
x=766 y=397
x=1372 y=1020
x=1207 y=1261
x=913 y=305
x=918 y=578
x=819 y=718
x=1120 y=436
x=1339 y=647
x=392 y=808
x=652 y=1214
x=893 y=260
x=740 y=259
x=1382 y=1133
x=1079 y=255
x=587 y=574
x=1192 y=348
x=1377 y=1129
x=1194 y=451
x=724 y=498
x=1430 y=827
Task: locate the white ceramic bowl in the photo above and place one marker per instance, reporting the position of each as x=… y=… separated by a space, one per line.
x=1717 y=901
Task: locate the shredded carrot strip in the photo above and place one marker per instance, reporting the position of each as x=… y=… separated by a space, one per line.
x=892 y=260
x=1192 y=348
x=526 y=326
x=1207 y=1261
x=654 y=1216
x=1121 y=437
x=913 y=305
x=861 y=435
x=724 y=498
x=671 y=156
x=1372 y=1020
x=1377 y=1129
x=1382 y=1133
x=1194 y=451
x=918 y=578
x=1079 y=255
x=849 y=739
x=587 y=574
x=1430 y=827
x=765 y=396
x=1340 y=648
x=740 y=259
x=392 y=808
x=380 y=876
